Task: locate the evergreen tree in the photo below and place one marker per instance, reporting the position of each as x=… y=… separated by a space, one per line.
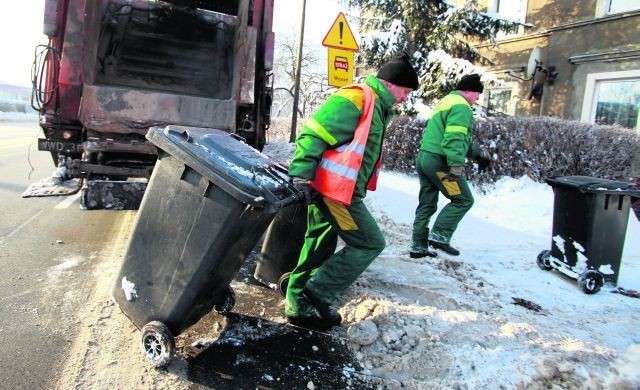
x=421 y=27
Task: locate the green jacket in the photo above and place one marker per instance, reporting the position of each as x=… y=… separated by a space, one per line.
x=333 y=125
x=449 y=130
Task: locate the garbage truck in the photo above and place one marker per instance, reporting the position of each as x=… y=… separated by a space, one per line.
x=112 y=69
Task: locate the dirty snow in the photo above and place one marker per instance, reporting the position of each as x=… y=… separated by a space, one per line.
x=452 y=322
x=52 y=186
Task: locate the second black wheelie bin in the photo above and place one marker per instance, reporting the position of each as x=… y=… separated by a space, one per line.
x=590 y=217
x=281 y=247
x=209 y=200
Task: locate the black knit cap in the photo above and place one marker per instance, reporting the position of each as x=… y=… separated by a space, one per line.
x=470 y=82
x=399 y=71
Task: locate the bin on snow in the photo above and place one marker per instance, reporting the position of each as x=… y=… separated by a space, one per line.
x=209 y=200
x=281 y=247
x=590 y=218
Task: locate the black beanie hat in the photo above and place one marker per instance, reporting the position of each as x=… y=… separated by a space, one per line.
x=470 y=82
x=399 y=71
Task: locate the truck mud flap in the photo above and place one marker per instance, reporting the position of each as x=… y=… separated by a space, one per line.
x=111 y=194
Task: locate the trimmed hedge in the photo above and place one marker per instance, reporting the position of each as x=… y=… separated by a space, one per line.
x=538 y=147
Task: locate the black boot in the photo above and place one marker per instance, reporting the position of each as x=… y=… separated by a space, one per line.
x=444 y=246
x=326 y=311
x=312 y=323
x=419 y=251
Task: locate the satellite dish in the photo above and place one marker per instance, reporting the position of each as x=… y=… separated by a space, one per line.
x=534 y=60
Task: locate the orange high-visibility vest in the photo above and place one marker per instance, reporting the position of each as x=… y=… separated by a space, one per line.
x=337 y=172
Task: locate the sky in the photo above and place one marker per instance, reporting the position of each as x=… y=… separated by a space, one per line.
x=20 y=32
x=319 y=17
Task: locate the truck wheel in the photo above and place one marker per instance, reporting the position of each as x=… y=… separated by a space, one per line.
x=591 y=281
x=283 y=283
x=543 y=260
x=157 y=343
x=227 y=302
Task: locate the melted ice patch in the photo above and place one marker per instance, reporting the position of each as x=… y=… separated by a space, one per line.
x=129 y=289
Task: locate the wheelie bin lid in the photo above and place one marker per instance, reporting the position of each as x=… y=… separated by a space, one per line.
x=594 y=185
x=229 y=163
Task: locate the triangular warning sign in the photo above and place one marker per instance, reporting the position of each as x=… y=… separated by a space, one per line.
x=340 y=35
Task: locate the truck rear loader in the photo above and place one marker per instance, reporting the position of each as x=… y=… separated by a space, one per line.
x=115 y=68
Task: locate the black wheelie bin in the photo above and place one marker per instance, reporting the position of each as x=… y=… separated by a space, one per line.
x=209 y=200
x=281 y=247
x=590 y=217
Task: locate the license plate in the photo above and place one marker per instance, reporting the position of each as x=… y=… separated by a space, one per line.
x=58 y=146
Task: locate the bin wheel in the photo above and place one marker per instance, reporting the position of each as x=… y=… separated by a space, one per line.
x=157 y=343
x=543 y=260
x=227 y=303
x=283 y=283
x=591 y=281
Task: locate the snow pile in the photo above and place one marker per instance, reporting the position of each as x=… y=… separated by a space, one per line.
x=452 y=323
x=456 y=322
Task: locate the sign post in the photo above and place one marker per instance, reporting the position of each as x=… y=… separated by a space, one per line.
x=341 y=46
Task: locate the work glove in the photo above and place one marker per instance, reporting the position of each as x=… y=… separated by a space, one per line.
x=455 y=173
x=303 y=186
x=483 y=160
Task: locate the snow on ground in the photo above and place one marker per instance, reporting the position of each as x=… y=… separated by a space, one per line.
x=452 y=322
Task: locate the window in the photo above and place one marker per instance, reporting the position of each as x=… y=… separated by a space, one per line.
x=608 y=7
x=515 y=10
x=617 y=6
x=613 y=99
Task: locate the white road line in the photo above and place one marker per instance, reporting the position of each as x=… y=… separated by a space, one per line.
x=68 y=201
x=25 y=223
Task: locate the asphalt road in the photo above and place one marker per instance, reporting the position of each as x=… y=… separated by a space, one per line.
x=48 y=248
x=60 y=329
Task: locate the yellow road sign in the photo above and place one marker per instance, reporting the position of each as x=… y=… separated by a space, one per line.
x=340 y=67
x=340 y=35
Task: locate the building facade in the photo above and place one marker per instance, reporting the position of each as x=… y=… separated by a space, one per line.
x=589 y=57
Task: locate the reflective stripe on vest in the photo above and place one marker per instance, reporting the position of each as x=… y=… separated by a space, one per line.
x=337 y=173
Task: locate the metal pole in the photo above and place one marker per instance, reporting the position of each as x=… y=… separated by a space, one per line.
x=296 y=92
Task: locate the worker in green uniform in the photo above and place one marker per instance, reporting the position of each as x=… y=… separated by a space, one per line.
x=446 y=143
x=355 y=139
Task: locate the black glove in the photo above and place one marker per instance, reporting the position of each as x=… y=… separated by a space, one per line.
x=303 y=186
x=454 y=173
x=484 y=161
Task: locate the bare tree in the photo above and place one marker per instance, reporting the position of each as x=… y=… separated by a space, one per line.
x=313 y=83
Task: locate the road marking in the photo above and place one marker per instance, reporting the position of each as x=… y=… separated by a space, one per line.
x=25 y=223
x=68 y=201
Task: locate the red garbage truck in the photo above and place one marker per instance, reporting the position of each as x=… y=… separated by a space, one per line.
x=112 y=69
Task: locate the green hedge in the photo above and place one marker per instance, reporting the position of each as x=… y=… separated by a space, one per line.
x=538 y=147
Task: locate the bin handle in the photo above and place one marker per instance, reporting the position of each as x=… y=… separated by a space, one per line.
x=275 y=204
x=183 y=134
x=238 y=137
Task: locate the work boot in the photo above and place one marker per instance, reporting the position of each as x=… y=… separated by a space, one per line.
x=313 y=323
x=326 y=311
x=444 y=246
x=417 y=251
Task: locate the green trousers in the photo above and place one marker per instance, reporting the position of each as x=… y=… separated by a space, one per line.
x=325 y=273
x=431 y=169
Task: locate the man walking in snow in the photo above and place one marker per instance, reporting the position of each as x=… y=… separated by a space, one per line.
x=446 y=142
x=336 y=161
